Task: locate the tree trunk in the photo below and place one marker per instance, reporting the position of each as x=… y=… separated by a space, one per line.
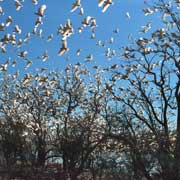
x=177 y=148
x=41 y=157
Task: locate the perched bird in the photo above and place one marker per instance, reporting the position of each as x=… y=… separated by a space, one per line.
x=63 y=48
x=107 y=3
x=41 y=10
x=18 y=5
x=76 y=5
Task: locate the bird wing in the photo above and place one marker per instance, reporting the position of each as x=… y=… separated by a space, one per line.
x=100 y=3
x=106 y=5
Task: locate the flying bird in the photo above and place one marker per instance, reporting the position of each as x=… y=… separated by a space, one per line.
x=111 y=40
x=93 y=35
x=50 y=37
x=20 y=43
x=4 y=66
x=13 y=39
x=14 y=63
x=63 y=48
x=28 y=63
x=89 y=57
x=148 y=11
x=1 y=11
x=80 y=29
x=44 y=56
x=17 y=29
x=38 y=21
x=66 y=30
x=78 y=52
x=146 y=28
x=107 y=3
x=81 y=12
x=18 y=5
x=76 y=5
x=27 y=78
x=8 y=21
x=2 y=26
x=41 y=10
x=128 y=15
x=86 y=20
x=108 y=52
x=93 y=23
x=116 y=30
x=27 y=37
x=22 y=54
x=35 y=2
x=3 y=49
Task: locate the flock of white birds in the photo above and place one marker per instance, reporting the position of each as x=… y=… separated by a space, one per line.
x=64 y=31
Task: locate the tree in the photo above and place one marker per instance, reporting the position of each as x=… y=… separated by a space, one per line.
x=151 y=76
x=121 y=121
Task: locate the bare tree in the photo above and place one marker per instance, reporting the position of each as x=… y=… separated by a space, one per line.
x=149 y=95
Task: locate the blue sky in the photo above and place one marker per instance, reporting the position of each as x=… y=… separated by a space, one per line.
x=57 y=12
